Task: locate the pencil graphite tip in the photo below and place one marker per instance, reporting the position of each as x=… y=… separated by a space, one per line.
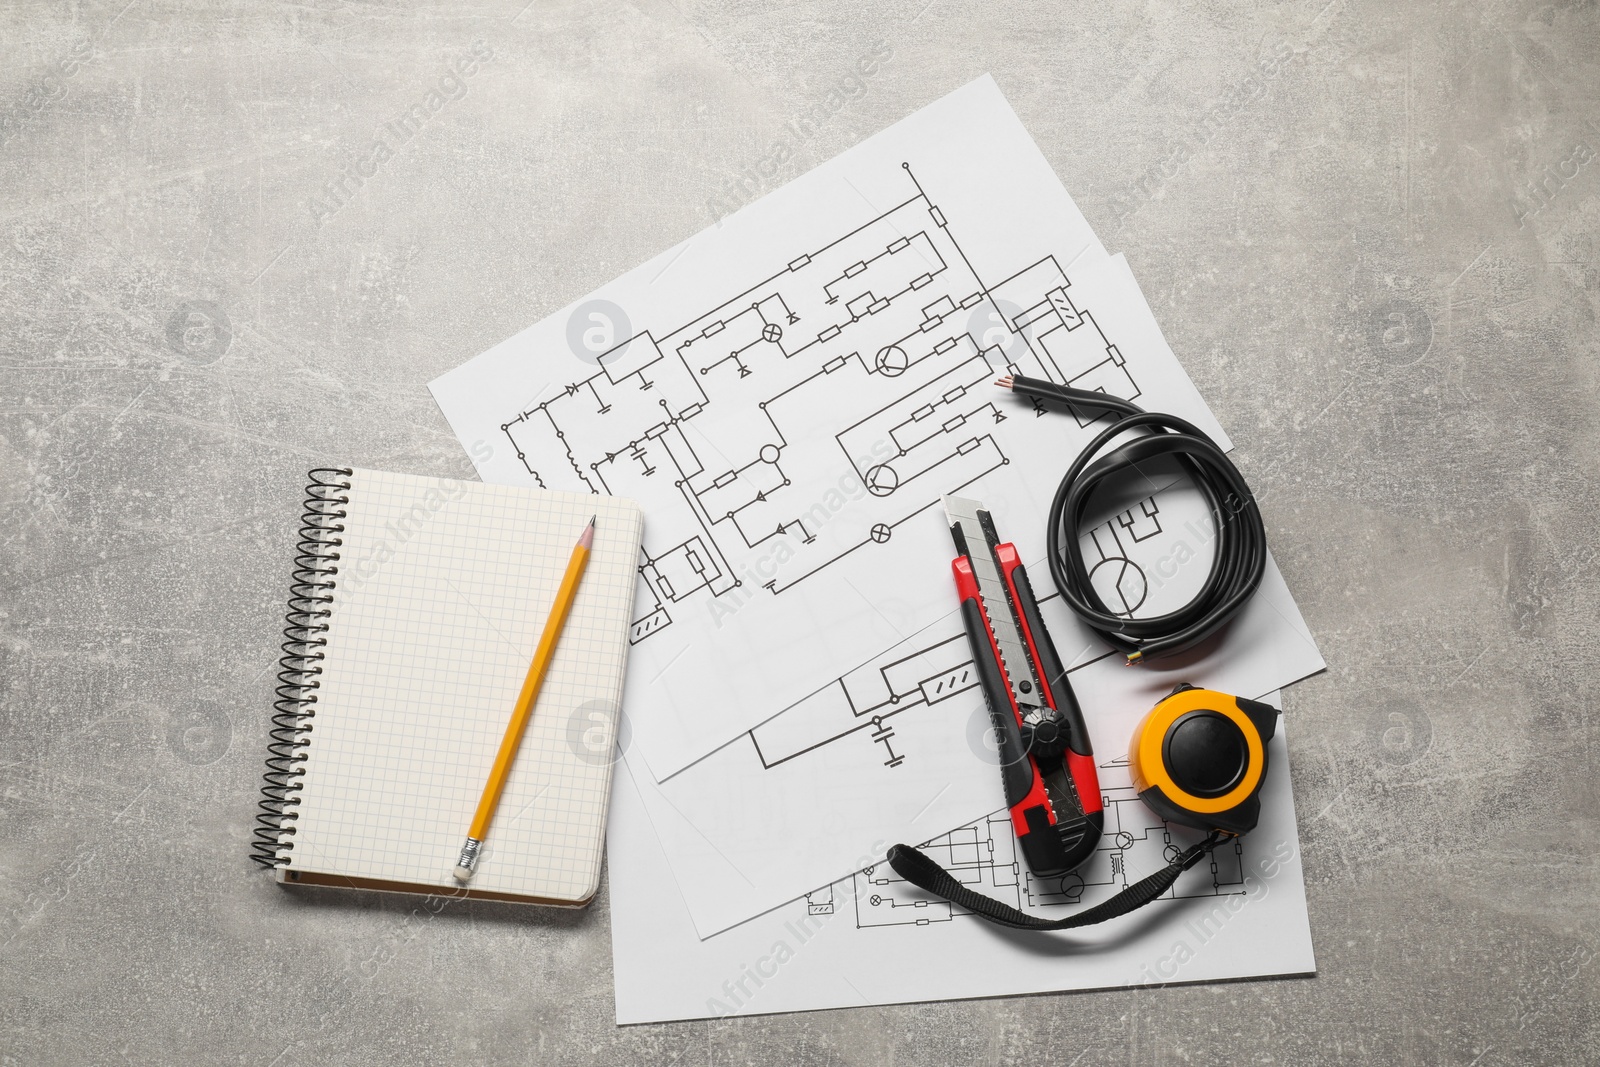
x=587 y=540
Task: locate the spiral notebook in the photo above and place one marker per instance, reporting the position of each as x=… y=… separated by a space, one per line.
x=414 y=609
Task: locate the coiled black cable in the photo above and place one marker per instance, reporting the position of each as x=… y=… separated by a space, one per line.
x=1241 y=540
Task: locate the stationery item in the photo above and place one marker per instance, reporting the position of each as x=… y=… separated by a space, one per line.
x=524 y=708
x=789 y=392
x=874 y=939
x=409 y=634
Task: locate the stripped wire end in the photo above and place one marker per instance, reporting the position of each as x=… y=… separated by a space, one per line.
x=1005 y=383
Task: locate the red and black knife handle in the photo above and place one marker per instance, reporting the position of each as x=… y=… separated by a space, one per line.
x=1079 y=757
x=1079 y=835
x=1017 y=772
x=1052 y=672
x=1051 y=845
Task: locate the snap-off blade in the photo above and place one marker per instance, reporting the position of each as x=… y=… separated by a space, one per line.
x=978 y=541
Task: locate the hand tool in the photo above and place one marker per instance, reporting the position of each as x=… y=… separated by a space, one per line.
x=1199 y=759
x=1046 y=764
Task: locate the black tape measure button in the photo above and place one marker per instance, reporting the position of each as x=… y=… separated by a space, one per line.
x=1206 y=753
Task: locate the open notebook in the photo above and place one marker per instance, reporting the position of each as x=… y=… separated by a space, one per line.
x=415 y=607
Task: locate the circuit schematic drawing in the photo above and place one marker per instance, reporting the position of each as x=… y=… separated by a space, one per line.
x=867 y=701
x=821 y=407
x=983 y=856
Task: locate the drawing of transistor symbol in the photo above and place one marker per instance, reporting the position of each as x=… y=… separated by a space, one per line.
x=929 y=429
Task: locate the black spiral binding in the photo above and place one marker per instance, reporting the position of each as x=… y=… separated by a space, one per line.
x=316 y=563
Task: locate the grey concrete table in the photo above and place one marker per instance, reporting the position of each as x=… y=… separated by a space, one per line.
x=1379 y=263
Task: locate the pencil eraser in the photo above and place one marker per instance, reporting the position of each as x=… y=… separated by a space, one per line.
x=463 y=875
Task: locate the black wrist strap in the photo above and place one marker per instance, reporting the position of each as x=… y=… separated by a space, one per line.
x=922 y=872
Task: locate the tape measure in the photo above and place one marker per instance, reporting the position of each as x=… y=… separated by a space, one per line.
x=1199 y=758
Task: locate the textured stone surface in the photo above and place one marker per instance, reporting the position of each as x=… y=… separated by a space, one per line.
x=1380 y=264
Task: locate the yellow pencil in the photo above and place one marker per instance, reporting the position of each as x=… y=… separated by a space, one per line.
x=523 y=711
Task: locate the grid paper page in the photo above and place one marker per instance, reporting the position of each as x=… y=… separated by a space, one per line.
x=442 y=592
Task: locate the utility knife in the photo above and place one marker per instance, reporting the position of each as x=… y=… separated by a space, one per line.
x=1046 y=764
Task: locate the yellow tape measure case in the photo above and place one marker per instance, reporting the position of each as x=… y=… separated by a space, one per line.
x=1199 y=758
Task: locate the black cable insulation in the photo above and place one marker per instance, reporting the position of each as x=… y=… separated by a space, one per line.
x=1241 y=540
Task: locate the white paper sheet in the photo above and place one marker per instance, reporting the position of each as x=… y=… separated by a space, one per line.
x=873 y=939
x=887 y=751
x=789 y=392
x=899 y=749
